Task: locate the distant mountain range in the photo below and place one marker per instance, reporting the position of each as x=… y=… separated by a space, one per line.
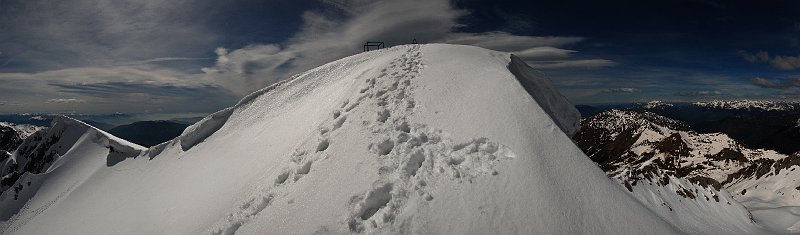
x=145 y=133
x=755 y=124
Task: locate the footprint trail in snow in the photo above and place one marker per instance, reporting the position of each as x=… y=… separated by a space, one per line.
x=412 y=157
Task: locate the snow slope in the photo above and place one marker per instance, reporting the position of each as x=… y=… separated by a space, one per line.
x=769 y=189
x=51 y=163
x=662 y=161
x=433 y=139
x=693 y=208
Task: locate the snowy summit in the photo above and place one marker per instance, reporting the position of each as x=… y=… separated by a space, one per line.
x=430 y=139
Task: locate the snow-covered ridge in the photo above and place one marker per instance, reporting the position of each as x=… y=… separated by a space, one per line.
x=538 y=86
x=46 y=146
x=424 y=139
x=751 y=105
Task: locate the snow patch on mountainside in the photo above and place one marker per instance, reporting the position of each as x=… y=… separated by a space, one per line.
x=12 y=135
x=655 y=104
x=771 y=190
x=24 y=130
x=688 y=205
x=639 y=146
x=619 y=138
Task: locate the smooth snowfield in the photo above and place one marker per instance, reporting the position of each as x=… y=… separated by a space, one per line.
x=430 y=139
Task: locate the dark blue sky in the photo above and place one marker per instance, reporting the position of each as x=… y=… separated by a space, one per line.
x=150 y=56
x=673 y=50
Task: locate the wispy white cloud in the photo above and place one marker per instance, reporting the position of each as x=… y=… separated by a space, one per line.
x=700 y=93
x=59 y=34
x=65 y=100
x=164 y=59
x=543 y=53
x=561 y=64
x=112 y=89
x=503 y=41
x=785 y=62
x=325 y=37
x=621 y=90
x=761 y=56
x=776 y=84
x=778 y=62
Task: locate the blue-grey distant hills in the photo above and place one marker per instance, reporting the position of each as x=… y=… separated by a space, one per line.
x=149 y=133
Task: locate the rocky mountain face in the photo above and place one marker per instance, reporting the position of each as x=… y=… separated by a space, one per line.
x=754 y=124
x=638 y=147
x=12 y=135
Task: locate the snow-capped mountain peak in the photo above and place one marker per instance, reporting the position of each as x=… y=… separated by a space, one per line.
x=655 y=104
x=763 y=105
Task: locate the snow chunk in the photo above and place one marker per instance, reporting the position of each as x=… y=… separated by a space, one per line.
x=204 y=128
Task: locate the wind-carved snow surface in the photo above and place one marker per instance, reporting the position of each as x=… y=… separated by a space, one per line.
x=542 y=90
x=201 y=130
x=431 y=139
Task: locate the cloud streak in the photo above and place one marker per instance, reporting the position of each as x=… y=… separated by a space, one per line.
x=778 y=62
x=700 y=93
x=543 y=53
x=164 y=59
x=562 y=64
x=65 y=100
x=503 y=41
x=112 y=89
x=56 y=34
x=785 y=62
x=779 y=84
x=621 y=90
